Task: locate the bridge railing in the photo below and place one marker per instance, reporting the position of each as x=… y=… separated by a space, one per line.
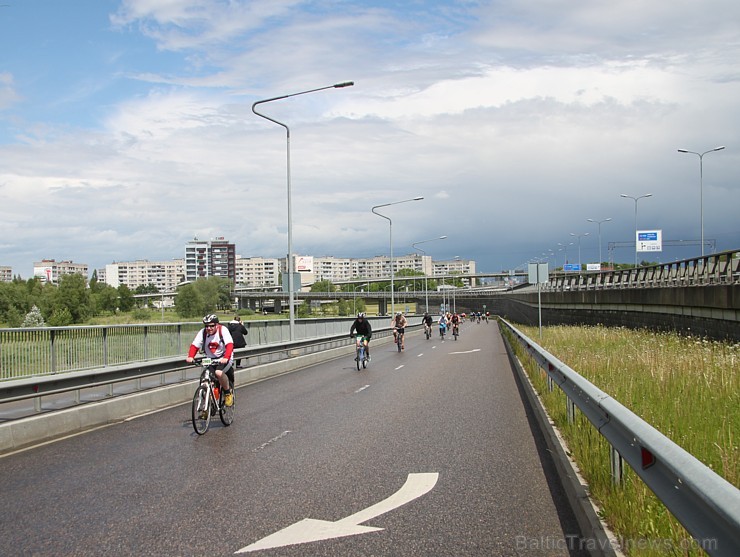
x=718 y=268
x=706 y=504
x=52 y=350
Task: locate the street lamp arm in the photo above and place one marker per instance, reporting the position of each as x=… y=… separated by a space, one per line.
x=335 y=86
x=254 y=105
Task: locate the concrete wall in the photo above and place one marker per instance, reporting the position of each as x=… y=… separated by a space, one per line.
x=707 y=311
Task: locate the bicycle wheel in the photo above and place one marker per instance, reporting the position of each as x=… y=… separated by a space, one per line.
x=201 y=410
x=364 y=358
x=226 y=413
x=358 y=356
x=398 y=342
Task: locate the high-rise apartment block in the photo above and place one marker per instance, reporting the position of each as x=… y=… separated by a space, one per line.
x=212 y=258
x=6 y=274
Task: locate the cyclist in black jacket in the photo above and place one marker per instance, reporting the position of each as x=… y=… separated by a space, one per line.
x=363 y=328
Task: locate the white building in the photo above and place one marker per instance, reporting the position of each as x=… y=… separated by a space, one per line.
x=6 y=274
x=165 y=275
x=257 y=271
x=49 y=270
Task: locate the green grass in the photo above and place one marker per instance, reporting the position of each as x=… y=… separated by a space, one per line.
x=687 y=388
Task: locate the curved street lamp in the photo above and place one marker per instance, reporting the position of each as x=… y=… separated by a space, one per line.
x=599 y=223
x=426 y=290
x=701 y=187
x=291 y=294
x=390 y=227
x=636 y=199
x=580 y=267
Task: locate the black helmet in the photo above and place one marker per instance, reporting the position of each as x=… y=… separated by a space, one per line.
x=360 y=315
x=210 y=318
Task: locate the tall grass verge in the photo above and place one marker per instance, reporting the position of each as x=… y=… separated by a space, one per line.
x=687 y=388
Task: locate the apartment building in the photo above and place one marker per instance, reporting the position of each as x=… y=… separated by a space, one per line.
x=6 y=274
x=257 y=271
x=49 y=270
x=165 y=275
x=338 y=269
x=211 y=258
x=455 y=266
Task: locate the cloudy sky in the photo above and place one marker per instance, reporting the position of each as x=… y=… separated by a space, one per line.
x=126 y=127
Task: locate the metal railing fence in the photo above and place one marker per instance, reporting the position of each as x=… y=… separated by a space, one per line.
x=706 y=504
x=50 y=350
x=718 y=268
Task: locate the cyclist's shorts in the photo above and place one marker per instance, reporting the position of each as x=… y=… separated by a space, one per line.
x=400 y=330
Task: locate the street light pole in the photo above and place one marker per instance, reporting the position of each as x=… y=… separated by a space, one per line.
x=580 y=267
x=426 y=290
x=636 y=199
x=390 y=229
x=291 y=295
x=599 y=223
x=701 y=187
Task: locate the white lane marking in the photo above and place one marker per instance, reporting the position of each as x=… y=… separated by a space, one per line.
x=271 y=441
x=420 y=355
x=309 y=530
x=361 y=389
x=399 y=367
x=467 y=351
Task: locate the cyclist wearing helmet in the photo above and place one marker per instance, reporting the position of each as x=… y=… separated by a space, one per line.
x=427 y=321
x=399 y=324
x=216 y=343
x=363 y=329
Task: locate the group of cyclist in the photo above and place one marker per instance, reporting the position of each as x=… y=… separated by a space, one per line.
x=217 y=343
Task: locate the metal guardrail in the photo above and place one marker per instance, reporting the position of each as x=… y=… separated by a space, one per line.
x=706 y=504
x=53 y=350
x=37 y=387
x=718 y=268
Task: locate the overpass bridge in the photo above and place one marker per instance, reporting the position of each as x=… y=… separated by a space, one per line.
x=699 y=295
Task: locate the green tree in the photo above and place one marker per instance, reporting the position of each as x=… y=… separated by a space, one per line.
x=304 y=310
x=126 y=300
x=104 y=298
x=73 y=295
x=61 y=317
x=323 y=286
x=189 y=301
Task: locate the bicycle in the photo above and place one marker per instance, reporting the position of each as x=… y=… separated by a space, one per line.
x=427 y=331
x=399 y=337
x=455 y=330
x=361 y=357
x=209 y=399
x=442 y=329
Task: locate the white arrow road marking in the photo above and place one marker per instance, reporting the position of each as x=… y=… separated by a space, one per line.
x=310 y=530
x=467 y=351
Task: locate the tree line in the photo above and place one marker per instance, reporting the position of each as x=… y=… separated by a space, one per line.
x=33 y=303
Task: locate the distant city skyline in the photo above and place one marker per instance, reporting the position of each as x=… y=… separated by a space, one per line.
x=127 y=127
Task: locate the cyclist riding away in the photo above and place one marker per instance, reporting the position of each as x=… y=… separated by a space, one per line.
x=399 y=324
x=363 y=329
x=216 y=343
x=427 y=321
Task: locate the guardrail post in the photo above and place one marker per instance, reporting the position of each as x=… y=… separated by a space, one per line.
x=571 y=409
x=617 y=466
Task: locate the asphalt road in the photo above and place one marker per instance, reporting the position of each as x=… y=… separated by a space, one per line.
x=429 y=452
